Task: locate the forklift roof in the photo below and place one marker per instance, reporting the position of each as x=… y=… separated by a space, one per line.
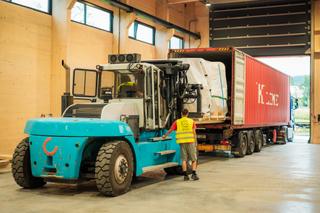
x=125 y=67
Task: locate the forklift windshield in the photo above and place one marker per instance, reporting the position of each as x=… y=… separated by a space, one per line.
x=122 y=84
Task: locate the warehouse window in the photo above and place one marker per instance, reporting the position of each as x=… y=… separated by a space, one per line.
x=39 y=5
x=176 y=42
x=92 y=15
x=77 y=12
x=142 y=32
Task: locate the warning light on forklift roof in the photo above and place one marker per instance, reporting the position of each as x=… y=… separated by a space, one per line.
x=124 y=58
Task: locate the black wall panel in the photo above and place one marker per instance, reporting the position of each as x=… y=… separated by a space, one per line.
x=262 y=28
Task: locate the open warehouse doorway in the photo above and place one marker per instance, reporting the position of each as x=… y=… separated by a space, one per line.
x=278 y=34
x=298 y=68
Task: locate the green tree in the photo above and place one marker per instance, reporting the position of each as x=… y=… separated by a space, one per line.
x=306 y=91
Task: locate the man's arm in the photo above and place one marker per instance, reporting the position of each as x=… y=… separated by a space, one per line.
x=194 y=131
x=172 y=128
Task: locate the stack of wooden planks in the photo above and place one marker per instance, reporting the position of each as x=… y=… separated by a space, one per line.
x=4 y=163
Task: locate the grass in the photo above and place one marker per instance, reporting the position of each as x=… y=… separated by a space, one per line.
x=302 y=115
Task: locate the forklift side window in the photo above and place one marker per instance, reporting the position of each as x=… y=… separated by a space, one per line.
x=84 y=83
x=107 y=85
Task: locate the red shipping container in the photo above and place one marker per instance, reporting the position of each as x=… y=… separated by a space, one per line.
x=260 y=94
x=267 y=100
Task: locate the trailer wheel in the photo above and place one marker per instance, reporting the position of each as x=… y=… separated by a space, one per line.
x=283 y=139
x=259 y=140
x=114 y=168
x=242 y=145
x=251 y=143
x=21 y=167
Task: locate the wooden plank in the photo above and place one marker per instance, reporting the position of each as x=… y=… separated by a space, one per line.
x=181 y=1
x=209 y=121
x=9 y=157
x=4 y=163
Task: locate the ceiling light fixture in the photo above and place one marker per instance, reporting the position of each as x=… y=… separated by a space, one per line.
x=207 y=3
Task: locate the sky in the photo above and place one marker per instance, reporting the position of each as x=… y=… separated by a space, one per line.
x=291 y=65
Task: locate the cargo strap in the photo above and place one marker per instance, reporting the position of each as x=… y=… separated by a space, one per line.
x=216 y=96
x=221 y=84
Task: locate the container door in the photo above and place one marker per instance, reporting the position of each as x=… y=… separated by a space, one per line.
x=239 y=88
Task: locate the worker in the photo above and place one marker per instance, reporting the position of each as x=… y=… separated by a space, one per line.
x=129 y=90
x=186 y=137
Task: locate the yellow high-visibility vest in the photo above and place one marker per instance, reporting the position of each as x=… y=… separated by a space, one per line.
x=184 y=133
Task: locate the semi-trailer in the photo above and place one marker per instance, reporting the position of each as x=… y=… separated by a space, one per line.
x=257 y=102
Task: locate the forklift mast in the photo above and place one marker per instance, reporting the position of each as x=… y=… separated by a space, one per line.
x=175 y=89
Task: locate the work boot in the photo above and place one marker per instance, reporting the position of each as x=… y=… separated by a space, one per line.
x=194 y=176
x=186 y=178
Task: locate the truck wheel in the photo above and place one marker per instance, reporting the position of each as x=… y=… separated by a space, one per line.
x=259 y=140
x=114 y=168
x=283 y=132
x=242 y=145
x=21 y=167
x=251 y=143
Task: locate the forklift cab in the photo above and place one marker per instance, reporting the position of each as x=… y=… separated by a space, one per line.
x=126 y=91
x=147 y=95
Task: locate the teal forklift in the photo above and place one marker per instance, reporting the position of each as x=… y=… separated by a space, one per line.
x=111 y=126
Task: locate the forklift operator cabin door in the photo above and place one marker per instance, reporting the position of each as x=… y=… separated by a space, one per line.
x=85 y=84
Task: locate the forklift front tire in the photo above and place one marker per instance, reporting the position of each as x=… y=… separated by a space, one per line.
x=114 y=168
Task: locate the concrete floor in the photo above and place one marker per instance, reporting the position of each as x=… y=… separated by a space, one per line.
x=282 y=178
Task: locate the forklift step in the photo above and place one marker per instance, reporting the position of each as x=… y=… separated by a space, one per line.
x=160 y=166
x=159 y=139
x=166 y=152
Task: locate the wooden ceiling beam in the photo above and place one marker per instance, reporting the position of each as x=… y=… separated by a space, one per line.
x=181 y=1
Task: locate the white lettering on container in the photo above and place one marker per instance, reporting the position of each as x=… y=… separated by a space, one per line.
x=270 y=97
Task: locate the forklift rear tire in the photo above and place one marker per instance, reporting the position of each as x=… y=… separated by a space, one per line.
x=259 y=140
x=21 y=167
x=242 y=145
x=251 y=143
x=114 y=168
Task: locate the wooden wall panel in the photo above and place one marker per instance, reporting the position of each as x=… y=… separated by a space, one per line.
x=177 y=14
x=33 y=44
x=25 y=66
x=315 y=75
x=147 y=6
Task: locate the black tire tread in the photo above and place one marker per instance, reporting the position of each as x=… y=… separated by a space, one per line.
x=103 y=168
x=258 y=135
x=21 y=167
x=240 y=153
x=250 y=145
